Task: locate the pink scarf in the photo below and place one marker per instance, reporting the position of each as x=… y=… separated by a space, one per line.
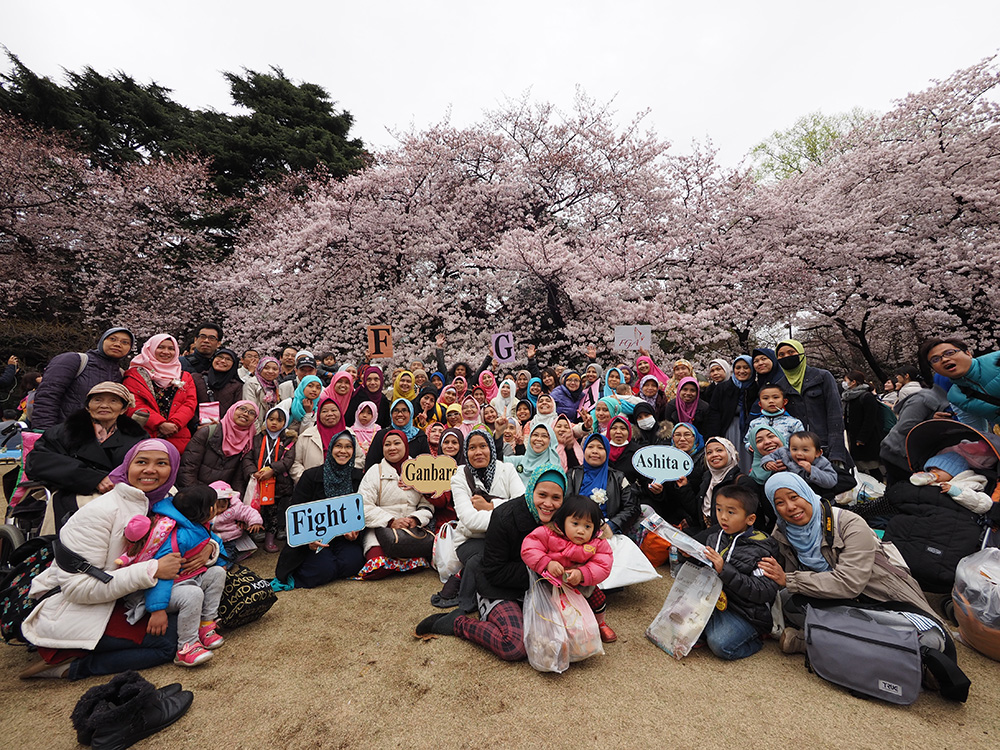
x=162 y=373
x=236 y=439
x=365 y=435
x=344 y=401
x=685 y=411
x=655 y=371
x=493 y=390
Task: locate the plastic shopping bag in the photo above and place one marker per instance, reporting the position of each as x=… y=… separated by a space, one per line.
x=250 y=496
x=444 y=559
x=686 y=611
x=544 y=631
x=630 y=564
x=582 y=633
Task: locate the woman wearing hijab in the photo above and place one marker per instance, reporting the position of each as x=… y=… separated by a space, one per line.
x=545 y=411
x=401 y=415
x=831 y=554
x=605 y=486
x=569 y=395
x=535 y=389
x=489 y=385
x=569 y=448
x=163 y=391
x=688 y=406
x=402 y=386
x=312 y=444
x=501 y=579
x=815 y=399
x=682 y=369
x=722 y=468
x=593 y=377
x=719 y=371
x=301 y=407
x=426 y=408
x=677 y=501
x=471 y=415
x=215 y=453
x=645 y=366
x=619 y=435
x=341 y=390
x=647 y=428
x=653 y=396
x=262 y=388
x=521 y=380
x=81 y=612
x=396 y=517
x=372 y=383
x=221 y=381
x=270 y=459
x=504 y=401
x=729 y=413
x=316 y=564
x=539 y=448
x=765 y=365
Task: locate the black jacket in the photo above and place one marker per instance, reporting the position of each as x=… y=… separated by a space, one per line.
x=503 y=574
x=68 y=458
x=820 y=409
x=728 y=400
x=622 y=506
x=863 y=422
x=361 y=395
x=418 y=446
x=748 y=593
x=203 y=461
x=700 y=421
x=932 y=532
x=676 y=504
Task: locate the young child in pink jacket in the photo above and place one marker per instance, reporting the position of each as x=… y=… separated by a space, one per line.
x=234 y=519
x=570 y=548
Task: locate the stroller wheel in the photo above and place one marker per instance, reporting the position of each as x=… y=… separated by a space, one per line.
x=10 y=539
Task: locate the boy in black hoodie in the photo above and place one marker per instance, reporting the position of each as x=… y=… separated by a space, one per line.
x=734 y=547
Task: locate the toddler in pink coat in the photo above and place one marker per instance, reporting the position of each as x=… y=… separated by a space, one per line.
x=570 y=548
x=234 y=522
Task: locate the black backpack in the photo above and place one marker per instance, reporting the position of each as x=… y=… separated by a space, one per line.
x=26 y=561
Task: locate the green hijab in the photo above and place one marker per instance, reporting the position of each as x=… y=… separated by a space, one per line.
x=795 y=374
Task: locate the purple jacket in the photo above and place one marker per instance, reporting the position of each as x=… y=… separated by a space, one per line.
x=63 y=392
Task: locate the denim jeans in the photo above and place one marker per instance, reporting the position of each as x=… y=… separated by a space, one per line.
x=114 y=655
x=731 y=636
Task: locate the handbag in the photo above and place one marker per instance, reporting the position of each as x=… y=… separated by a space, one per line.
x=630 y=564
x=405 y=544
x=245 y=598
x=444 y=558
x=266 y=487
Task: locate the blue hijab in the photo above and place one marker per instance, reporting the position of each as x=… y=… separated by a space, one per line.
x=608 y=390
x=543 y=473
x=699 y=441
x=807 y=541
x=408 y=429
x=527 y=393
x=743 y=384
x=298 y=411
x=595 y=477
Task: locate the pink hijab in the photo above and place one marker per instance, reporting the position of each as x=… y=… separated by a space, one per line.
x=344 y=401
x=162 y=373
x=574 y=446
x=686 y=412
x=655 y=371
x=365 y=435
x=467 y=425
x=491 y=391
x=236 y=439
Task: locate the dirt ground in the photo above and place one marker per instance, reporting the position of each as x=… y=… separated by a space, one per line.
x=338 y=667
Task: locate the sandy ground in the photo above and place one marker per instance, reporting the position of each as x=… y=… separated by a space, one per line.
x=338 y=667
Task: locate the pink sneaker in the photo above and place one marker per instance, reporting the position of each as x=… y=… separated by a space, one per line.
x=192 y=654
x=208 y=637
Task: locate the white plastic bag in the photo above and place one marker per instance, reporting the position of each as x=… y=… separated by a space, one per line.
x=544 y=631
x=444 y=559
x=686 y=611
x=250 y=494
x=630 y=564
x=582 y=632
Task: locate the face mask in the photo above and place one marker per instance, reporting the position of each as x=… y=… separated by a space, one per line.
x=845 y=385
x=646 y=423
x=790 y=363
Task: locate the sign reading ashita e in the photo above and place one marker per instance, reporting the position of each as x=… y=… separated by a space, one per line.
x=427 y=474
x=661 y=463
x=322 y=520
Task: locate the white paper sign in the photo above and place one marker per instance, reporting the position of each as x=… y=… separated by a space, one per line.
x=632 y=338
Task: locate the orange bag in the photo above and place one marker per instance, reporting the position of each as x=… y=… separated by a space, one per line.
x=655 y=548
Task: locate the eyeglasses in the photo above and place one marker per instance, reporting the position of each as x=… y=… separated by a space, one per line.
x=246 y=410
x=203 y=337
x=947 y=353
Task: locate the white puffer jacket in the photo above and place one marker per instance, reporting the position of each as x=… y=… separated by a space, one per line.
x=472 y=523
x=77 y=616
x=385 y=500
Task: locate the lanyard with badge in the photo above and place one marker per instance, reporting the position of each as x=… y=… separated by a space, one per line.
x=723 y=602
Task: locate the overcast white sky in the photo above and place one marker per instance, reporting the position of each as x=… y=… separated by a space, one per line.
x=732 y=71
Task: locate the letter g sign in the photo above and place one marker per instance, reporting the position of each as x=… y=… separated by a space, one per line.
x=503 y=347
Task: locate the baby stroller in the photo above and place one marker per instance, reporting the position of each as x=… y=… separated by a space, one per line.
x=26 y=500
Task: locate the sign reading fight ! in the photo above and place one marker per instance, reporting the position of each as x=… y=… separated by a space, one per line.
x=322 y=520
x=633 y=338
x=427 y=474
x=661 y=463
x=503 y=347
x=379 y=342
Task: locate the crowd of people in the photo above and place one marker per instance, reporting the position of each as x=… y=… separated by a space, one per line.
x=221 y=442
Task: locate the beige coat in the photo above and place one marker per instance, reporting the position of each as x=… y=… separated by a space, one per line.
x=77 y=616
x=308 y=452
x=859 y=566
x=385 y=501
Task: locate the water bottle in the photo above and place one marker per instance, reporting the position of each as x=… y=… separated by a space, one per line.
x=675 y=561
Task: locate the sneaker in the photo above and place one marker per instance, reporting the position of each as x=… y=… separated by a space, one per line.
x=208 y=637
x=607 y=634
x=192 y=654
x=792 y=641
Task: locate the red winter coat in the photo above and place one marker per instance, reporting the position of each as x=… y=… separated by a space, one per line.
x=182 y=408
